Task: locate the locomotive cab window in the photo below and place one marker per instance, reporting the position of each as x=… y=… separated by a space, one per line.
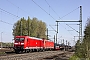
x=20 y=39
x=17 y=39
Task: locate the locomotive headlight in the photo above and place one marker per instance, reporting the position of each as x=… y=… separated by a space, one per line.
x=16 y=43
x=22 y=43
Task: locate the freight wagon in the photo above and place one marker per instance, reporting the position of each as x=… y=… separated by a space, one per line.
x=28 y=44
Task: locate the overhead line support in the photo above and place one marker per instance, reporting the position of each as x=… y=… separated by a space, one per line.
x=69 y=21
x=80 y=24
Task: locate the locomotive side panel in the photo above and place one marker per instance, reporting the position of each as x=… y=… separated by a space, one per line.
x=34 y=43
x=48 y=45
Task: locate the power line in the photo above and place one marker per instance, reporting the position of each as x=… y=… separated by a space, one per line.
x=64 y=15
x=72 y=28
x=69 y=13
x=67 y=30
x=18 y=7
x=52 y=28
x=12 y=3
x=52 y=8
x=6 y=22
x=43 y=9
x=57 y=14
x=9 y=13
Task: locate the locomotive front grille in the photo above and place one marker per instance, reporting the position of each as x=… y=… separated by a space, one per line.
x=19 y=48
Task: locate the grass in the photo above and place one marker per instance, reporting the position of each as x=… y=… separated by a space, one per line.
x=74 y=57
x=2 y=53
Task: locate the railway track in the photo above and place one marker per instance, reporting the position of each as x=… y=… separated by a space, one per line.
x=46 y=55
x=62 y=56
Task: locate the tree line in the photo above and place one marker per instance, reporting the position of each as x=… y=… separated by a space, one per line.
x=82 y=48
x=30 y=27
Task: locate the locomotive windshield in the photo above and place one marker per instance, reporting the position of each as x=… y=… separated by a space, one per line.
x=19 y=39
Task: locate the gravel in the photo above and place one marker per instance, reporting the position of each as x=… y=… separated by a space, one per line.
x=46 y=55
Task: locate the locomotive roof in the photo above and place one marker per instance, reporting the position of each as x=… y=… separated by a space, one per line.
x=36 y=38
x=33 y=38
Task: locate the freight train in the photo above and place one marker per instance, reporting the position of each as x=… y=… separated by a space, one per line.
x=29 y=44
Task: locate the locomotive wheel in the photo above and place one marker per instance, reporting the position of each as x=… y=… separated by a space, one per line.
x=36 y=50
x=27 y=51
x=43 y=50
x=40 y=50
x=30 y=50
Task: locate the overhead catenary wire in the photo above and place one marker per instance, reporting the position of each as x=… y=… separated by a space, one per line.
x=67 y=30
x=72 y=28
x=9 y=13
x=43 y=10
x=52 y=28
x=12 y=3
x=52 y=8
x=64 y=15
x=18 y=7
x=54 y=11
x=69 y=12
x=57 y=14
x=6 y=22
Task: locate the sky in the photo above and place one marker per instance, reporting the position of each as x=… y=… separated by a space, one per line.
x=49 y=11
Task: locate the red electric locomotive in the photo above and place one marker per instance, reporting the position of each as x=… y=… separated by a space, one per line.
x=27 y=44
